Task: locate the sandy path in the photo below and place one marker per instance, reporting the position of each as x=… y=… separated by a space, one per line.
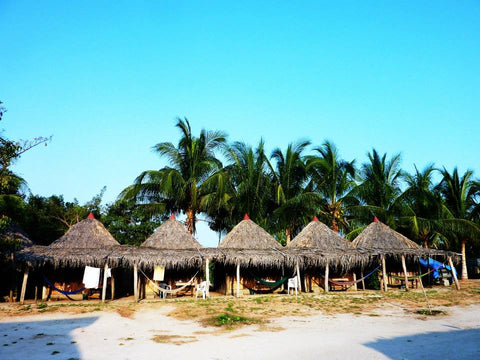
x=106 y=335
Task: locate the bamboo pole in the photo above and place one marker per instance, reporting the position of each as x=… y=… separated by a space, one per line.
x=450 y=262
x=327 y=269
x=135 y=281
x=112 y=285
x=363 y=280
x=104 y=287
x=423 y=290
x=384 y=270
x=238 y=280
x=24 y=286
x=404 y=265
x=207 y=275
x=355 y=279
x=298 y=277
x=44 y=293
x=13 y=278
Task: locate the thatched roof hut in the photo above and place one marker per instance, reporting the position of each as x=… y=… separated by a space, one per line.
x=89 y=233
x=17 y=234
x=171 y=235
x=248 y=235
x=379 y=236
x=317 y=235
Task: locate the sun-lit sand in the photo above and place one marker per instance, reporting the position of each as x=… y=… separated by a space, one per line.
x=387 y=332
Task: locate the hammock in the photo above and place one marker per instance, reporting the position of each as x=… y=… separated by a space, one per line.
x=66 y=293
x=174 y=291
x=272 y=284
x=416 y=276
x=349 y=284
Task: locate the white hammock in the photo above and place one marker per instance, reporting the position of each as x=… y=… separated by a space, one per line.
x=174 y=291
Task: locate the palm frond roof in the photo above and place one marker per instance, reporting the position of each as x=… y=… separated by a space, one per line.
x=377 y=235
x=317 y=235
x=88 y=233
x=248 y=235
x=171 y=235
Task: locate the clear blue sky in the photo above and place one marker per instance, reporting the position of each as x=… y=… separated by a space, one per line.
x=107 y=80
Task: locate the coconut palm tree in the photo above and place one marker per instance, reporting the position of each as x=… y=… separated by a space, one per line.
x=379 y=189
x=186 y=184
x=423 y=215
x=460 y=194
x=251 y=182
x=332 y=179
x=295 y=201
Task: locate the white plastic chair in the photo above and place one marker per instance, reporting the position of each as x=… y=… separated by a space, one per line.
x=293 y=284
x=166 y=287
x=201 y=288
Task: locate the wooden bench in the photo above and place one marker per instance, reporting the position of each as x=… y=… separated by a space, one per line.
x=338 y=286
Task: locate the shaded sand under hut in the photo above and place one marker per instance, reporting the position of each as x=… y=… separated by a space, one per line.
x=172 y=241
x=250 y=247
x=318 y=240
x=383 y=243
x=86 y=243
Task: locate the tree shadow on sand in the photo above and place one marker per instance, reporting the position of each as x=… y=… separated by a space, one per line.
x=48 y=339
x=456 y=344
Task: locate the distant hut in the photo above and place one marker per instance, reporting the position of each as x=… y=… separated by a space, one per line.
x=177 y=255
x=249 y=246
x=318 y=239
x=86 y=243
x=13 y=238
x=386 y=242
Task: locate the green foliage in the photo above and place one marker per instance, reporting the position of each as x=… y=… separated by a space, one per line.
x=226 y=319
x=129 y=223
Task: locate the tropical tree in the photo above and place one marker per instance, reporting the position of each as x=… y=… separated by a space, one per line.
x=186 y=184
x=332 y=178
x=251 y=182
x=460 y=194
x=295 y=201
x=379 y=189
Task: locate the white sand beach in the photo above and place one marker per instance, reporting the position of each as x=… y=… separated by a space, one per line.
x=386 y=333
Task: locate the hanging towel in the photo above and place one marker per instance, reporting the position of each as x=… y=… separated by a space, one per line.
x=109 y=273
x=159 y=273
x=91 y=277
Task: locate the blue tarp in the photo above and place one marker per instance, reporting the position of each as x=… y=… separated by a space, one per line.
x=434 y=264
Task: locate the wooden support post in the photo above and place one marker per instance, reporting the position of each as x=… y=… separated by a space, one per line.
x=327 y=269
x=384 y=273
x=363 y=280
x=450 y=262
x=36 y=293
x=404 y=265
x=13 y=278
x=44 y=293
x=104 y=287
x=238 y=280
x=24 y=286
x=207 y=275
x=112 y=286
x=298 y=277
x=135 y=281
x=355 y=279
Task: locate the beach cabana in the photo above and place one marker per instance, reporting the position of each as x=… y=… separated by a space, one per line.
x=86 y=243
x=385 y=242
x=317 y=237
x=249 y=246
x=177 y=255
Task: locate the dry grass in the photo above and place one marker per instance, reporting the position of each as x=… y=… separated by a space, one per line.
x=174 y=339
x=258 y=310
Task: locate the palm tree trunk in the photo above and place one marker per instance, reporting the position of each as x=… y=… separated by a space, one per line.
x=334 y=224
x=190 y=222
x=425 y=243
x=464 y=261
x=288 y=236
